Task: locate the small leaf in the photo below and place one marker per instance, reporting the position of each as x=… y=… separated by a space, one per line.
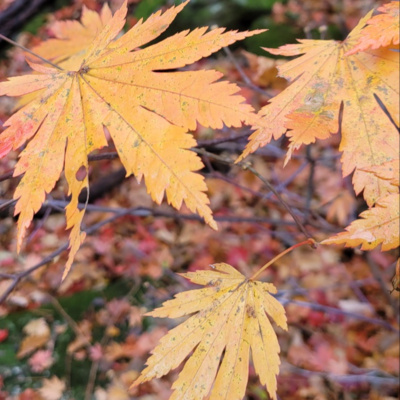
x=37 y=335
x=231 y=318
x=52 y=389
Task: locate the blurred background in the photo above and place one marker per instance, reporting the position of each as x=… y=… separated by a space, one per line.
x=86 y=338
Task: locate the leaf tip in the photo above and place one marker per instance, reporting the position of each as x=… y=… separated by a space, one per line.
x=213 y=224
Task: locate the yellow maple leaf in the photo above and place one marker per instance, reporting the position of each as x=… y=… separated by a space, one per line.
x=146 y=108
x=380 y=224
x=389 y=170
x=324 y=77
x=231 y=318
x=73 y=37
x=382 y=30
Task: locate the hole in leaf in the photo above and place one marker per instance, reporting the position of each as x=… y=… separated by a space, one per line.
x=83 y=195
x=81 y=173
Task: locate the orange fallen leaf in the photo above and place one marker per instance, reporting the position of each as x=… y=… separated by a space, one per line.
x=37 y=334
x=230 y=317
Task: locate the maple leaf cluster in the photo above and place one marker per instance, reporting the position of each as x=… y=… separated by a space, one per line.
x=106 y=86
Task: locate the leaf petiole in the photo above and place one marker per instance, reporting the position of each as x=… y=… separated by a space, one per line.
x=309 y=241
x=30 y=51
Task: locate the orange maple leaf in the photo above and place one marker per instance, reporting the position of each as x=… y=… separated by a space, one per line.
x=230 y=317
x=324 y=78
x=146 y=108
x=382 y=30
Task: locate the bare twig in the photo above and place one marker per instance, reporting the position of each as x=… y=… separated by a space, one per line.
x=287 y=207
x=243 y=75
x=6 y=204
x=120 y=212
x=74 y=326
x=18 y=13
x=337 y=311
x=310 y=181
x=377 y=274
x=288 y=181
x=247 y=166
x=16 y=278
x=6 y=176
x=372 y=377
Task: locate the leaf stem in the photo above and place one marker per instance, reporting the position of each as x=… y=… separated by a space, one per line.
x=310 y=241
x=29 y=51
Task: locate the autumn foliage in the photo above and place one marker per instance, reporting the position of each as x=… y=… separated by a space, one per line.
x=104 y=87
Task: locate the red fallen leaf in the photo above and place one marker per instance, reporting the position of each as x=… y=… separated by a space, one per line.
x=3 y=335
x=28 y=394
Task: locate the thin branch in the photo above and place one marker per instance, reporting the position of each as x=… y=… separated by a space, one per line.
x=287 y=181
x=74 y=326
x=6 y=204
x=310 y=181
x=120 y=212
x=214 y=142
x=279 y=197
x=337 y=311
x=6 y=176
x=16 y=278
x=377 y=274
x=246 y=166
x=148 y=212
x=372 y=377
x=243 y=75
